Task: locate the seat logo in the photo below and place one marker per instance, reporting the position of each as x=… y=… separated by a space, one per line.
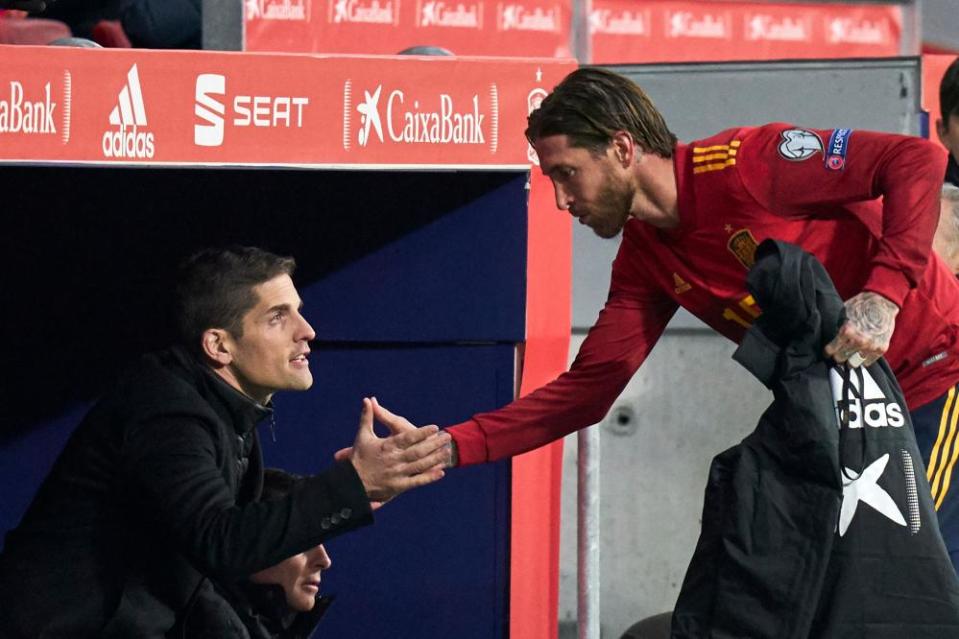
x=209 y=109
x=257 y=111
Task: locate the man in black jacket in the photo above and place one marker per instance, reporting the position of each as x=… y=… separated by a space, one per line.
x=157 y=489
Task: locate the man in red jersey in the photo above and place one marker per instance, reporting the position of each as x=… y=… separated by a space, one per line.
x=865 y=204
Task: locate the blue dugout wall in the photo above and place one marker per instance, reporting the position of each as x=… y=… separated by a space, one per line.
x=415 y=284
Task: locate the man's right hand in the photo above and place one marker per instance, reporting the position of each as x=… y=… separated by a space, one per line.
x=408 y=458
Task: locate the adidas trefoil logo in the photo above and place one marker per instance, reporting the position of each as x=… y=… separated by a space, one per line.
x=129 y=116
x=680 y=285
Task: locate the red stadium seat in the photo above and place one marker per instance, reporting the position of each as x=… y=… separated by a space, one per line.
x=31 y=30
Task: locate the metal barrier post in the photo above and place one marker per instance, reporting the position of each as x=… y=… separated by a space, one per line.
x=587 y=529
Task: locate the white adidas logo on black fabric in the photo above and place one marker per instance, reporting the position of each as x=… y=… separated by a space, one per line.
x=129 y=115
x=866 y=403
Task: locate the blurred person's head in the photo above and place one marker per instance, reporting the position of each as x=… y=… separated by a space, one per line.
x=425 y=49
x=948 y=125
x=299 y=575
x=83 y=43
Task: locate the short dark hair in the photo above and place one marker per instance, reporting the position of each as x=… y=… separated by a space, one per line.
x=215 y=288
x=949 y=92
x=591 y=104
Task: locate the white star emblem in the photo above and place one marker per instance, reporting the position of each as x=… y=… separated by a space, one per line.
x=865 y=489
x=370 y=116
x=341 y=11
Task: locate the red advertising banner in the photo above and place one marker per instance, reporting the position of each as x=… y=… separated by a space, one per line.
x=537 y=28
x=137 y=106
x=628 y=31
x=622 y=30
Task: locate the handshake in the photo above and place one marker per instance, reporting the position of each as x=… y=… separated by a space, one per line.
x=408 y=458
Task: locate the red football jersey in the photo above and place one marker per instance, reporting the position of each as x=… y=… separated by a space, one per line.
x=866 y=204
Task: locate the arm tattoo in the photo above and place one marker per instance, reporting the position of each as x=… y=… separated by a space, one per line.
x=873 y=315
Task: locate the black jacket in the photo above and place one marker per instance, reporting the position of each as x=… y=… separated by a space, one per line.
x=792 y=545
x=245 y=610
x=154 y=491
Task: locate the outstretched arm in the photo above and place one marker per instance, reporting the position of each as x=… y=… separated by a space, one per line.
x=627 y=329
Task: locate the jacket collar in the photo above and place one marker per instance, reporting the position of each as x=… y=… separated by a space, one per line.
x=241 y=410
x=266 y=603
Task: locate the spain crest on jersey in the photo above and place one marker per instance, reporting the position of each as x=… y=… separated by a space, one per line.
x=743 y=245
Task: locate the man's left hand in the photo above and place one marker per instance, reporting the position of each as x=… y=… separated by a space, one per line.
x=864 y=338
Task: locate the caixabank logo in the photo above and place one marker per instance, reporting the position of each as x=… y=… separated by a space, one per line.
x=364 y=12
x=771 y=28
x=857 y=31
x=128 y=136
x=32 y=109
x=461 y=15
x=518 y=17
x=621 y=22
x=414 y=116
x=699 y=24
x=287 y=10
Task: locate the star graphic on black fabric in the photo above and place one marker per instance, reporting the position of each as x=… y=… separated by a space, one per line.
x=865 y=489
